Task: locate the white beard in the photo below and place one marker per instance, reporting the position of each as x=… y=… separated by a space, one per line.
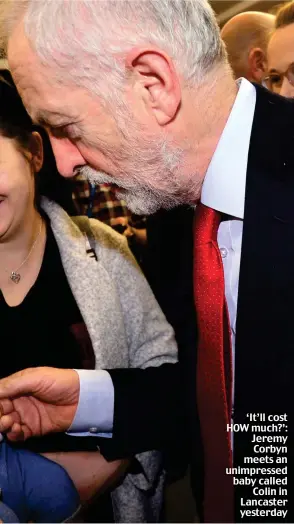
x=139 y=199
x=154 y=183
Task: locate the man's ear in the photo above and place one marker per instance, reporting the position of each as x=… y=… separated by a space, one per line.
x=257 y=64
x=36 y=150
x=156 y=77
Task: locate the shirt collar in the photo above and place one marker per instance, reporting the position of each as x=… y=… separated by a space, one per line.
x=225 y=180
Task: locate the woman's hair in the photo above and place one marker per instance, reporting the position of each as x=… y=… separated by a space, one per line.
x=15 y=123
x=285 y=15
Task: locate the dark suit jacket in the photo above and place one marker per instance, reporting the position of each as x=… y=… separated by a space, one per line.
x=152 y=406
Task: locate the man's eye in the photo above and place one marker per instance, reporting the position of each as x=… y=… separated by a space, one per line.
x=58 y=131
x=275 y=79
x=65 y=131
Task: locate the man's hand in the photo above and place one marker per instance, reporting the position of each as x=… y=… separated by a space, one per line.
x=37 y=401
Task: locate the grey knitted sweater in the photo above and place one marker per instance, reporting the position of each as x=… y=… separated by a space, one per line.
x=126 y=327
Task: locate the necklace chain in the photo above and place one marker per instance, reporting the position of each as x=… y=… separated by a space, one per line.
x=14 y=275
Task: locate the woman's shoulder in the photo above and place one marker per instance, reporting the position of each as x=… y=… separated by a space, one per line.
x=103 y=234
x=108 y=244
x=111 y=248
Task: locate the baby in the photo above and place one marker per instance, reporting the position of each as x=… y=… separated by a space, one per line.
x=34 y=488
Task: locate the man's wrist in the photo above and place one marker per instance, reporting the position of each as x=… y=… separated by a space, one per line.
x=94 y=414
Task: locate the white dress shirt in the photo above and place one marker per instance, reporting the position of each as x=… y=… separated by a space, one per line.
x=223 y=190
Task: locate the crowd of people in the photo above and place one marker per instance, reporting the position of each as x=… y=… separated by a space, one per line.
x=146 y=252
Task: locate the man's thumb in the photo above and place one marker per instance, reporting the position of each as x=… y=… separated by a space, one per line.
x=19 y=384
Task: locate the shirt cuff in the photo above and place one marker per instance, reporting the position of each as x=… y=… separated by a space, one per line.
x=94 y=415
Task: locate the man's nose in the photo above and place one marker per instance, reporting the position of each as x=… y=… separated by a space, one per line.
x=287 y=89
x=67 y=156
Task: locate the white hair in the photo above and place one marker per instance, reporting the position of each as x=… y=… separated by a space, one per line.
x=86 y=41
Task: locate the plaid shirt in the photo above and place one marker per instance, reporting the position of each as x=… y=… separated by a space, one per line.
x=99 y=202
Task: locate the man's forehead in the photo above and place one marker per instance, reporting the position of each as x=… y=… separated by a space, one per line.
x=21 y=57
x=37 y=100
x=41 y=96
x=30 y=76
x=46 y=99
x=46 y=117
x=22 y=77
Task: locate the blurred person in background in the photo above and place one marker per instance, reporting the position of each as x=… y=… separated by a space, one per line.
x=246 y=37
x=280 y=53
x=100 y=201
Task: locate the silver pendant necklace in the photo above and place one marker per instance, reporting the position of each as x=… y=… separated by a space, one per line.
x=15 y=275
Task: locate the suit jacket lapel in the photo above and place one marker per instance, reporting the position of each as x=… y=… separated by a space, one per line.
x=266 y=284
x=264 y=360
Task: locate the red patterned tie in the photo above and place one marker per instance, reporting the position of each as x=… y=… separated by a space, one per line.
x=214 y=367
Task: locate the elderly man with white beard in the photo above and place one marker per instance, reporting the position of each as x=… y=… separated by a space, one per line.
x=140 y=94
